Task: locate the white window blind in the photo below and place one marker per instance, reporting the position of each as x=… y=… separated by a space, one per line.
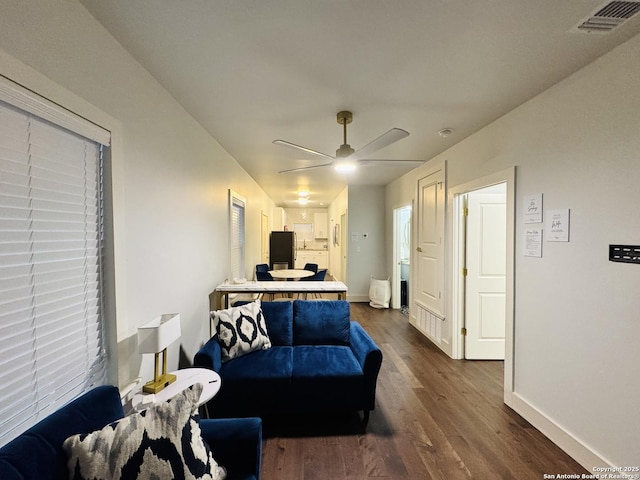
x=51 y=346
x=236 y=227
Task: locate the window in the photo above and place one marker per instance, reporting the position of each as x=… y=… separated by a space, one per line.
x=51 y=345
x=236 y=227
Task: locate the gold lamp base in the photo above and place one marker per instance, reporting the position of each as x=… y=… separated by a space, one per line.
x=160 y=380
x=155 y=386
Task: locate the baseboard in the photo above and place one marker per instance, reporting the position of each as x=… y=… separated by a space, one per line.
x=357 y=298
x=442 y=345
x=576 y=449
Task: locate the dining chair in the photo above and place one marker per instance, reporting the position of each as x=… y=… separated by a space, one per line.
x=263 y=275
x=317 y=277
x=313 y=267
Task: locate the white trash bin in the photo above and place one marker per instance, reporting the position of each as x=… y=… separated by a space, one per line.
x=379 y=293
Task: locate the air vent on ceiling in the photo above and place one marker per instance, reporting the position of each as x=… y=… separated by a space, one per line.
x=608 y=16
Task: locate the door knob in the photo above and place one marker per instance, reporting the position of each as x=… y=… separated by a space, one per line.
x=419 y=249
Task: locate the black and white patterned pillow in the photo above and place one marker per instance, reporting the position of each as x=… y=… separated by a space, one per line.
x=241 y=330
x=162 y=442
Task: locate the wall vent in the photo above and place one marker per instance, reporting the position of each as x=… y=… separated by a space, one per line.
x=608 y=17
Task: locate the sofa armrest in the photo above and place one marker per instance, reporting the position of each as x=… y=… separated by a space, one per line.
x=370 y=358
x=236 y=444
x=209 y=356
x=365 y=349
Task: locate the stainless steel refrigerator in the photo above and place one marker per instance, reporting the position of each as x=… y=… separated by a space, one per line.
x=282 y=250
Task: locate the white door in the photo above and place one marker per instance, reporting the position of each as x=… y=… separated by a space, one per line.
x=429 y=249
x=485 y=286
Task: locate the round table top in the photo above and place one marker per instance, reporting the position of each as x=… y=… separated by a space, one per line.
x=209 y=379
x=291 y=273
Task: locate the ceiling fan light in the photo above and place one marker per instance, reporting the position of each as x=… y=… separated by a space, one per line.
x=345 y=166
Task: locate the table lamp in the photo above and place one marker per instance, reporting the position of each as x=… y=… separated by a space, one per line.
x=154 y=337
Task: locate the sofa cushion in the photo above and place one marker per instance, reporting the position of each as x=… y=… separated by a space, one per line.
x=326 y=378
x=324 y=322
x=254 y=384
x=324 y=361
x=241 y=330
x=163 y=441
x=279 y=319
x=276 y=362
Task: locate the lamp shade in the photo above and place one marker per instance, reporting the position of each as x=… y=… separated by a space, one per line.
x=159 y=333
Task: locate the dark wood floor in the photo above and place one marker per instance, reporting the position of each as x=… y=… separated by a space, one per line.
x=435 y=418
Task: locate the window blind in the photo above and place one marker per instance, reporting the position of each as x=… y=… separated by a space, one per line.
x=237 y=206
x=51 y=347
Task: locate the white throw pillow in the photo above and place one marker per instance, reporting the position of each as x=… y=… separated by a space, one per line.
x=241 y=330
x=162 y=442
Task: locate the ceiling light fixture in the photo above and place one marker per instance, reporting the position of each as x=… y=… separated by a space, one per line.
x=303 y=200
x=303 y=193
x=345 y=166
x=445 y=132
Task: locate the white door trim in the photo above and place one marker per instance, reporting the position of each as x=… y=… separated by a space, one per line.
x=454 y=202
x=396 y=276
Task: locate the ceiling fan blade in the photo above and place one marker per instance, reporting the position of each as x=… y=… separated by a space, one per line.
x=391 y=163
x=305 y=168
x=299 y=147
x=382 y=141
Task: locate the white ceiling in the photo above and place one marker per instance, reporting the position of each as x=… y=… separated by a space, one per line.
x=254 y=71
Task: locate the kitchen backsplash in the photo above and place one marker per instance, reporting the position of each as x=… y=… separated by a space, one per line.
x=305 y=216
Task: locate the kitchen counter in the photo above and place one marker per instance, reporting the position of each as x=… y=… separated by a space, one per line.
x=309 y=255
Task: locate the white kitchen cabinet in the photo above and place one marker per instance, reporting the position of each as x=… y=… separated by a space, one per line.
x=320 y=225
x=321 y=257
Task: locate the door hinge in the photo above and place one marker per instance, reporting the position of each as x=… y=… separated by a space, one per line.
x=463 y=331
x=464 y=272
x=465 y=211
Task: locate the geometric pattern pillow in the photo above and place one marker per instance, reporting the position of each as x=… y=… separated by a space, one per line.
x=241 y=330
x=162 y=442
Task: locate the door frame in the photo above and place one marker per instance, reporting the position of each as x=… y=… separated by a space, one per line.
x=264 y=238
x=455 y=200
x=397 y=275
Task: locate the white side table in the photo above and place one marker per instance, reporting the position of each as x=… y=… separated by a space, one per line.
x=209 y=379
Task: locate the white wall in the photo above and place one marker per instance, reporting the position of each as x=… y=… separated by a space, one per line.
x=170 y=177
x=576 y=320
x=366 y=257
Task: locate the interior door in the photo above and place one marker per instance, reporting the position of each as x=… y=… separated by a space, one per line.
x=485 y=285
x=429 y=248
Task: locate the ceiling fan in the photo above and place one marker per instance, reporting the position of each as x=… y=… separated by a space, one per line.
x=347 y=158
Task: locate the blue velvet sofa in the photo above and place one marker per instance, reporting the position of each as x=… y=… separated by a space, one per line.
x=319 y=361
x=38 y=454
